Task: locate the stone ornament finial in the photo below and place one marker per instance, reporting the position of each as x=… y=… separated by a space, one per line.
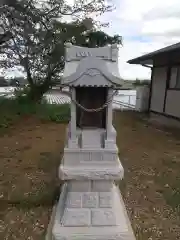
x=1 y=30
x=114 y=46
x=68 y=45
x=114 y=52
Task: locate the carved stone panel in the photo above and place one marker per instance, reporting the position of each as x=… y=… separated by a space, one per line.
x=105 y=200
x=104 y=217
x=90 y=200
x=73 y=200
x=76 y=217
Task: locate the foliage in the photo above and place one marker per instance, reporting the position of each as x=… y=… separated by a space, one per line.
x=4 y=37
x=3 y=82
x=21 y=92
x=13 y=109
x=18 y=81
x=39 y=33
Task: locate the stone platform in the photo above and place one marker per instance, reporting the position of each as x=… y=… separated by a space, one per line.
x=96 y=215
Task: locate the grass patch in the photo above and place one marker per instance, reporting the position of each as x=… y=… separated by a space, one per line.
x=172 y=197
x=170 y=190
x=12 y=109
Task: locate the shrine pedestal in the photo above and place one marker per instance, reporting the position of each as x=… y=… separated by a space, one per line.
x=90 y=206
x=95 y=215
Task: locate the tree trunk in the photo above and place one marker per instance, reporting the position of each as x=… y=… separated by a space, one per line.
x=36 y=92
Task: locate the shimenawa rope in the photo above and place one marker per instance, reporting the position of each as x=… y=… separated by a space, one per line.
x=94 y=109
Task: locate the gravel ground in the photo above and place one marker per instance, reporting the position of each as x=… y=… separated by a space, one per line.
x=31 y=152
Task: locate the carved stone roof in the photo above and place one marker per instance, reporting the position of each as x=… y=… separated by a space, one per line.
x=91 y=66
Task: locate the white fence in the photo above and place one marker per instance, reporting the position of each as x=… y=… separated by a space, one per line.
x=121 y=101
x=125 y=100
x=57 y=98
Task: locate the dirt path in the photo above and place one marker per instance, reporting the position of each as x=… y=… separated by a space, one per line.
x=151 y=186
x=30 y=154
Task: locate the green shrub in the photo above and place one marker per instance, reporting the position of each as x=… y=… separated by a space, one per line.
x=12 y=109
x=54 y=112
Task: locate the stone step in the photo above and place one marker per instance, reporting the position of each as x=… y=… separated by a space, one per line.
x=91 y=139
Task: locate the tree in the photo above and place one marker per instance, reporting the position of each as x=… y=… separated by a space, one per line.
x=18 y=81
x=139 y=82
x=4 y=37
x=38 y=37
x=3 y=82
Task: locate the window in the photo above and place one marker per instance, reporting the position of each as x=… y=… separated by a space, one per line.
x=174 y=81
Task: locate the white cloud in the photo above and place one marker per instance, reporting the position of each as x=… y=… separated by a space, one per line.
x=165 y=10
x=146 y=26
x=164 y=26
x=134 y=10
x=133 y=49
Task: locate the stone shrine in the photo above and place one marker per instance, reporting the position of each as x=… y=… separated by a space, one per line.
x=90 y=205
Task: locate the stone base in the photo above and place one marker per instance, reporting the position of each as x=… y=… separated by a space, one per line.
x=89 y=172
x=108 y=221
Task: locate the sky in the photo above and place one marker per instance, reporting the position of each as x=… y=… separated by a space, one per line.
x=145 y=26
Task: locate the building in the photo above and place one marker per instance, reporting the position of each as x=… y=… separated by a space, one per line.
x=164 y=98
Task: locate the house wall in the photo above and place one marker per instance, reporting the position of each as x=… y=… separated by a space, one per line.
x=158 y=89
x=172 y=104
x=164 y=101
